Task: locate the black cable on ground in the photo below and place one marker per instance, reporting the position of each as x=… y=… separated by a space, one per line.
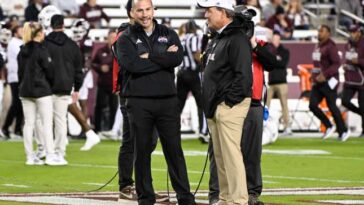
x=197 y=188
x=203 y=173
x=107 y=183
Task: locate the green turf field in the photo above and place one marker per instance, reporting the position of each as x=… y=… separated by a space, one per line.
x=341 y=165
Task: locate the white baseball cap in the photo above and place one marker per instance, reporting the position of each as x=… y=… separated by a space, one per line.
x=225 y=4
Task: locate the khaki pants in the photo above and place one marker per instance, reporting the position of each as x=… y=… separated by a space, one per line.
x=226 y=130
x=282 y=92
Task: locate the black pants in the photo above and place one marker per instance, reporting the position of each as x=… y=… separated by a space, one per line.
x=163 y=114
x=320 y=91
x=15 y=110
x=105 y=100
x=348 y=94
x=251 y=146
x=126 y=151
x=188 y=80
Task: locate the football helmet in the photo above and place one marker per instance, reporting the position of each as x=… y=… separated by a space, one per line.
x=80 y=28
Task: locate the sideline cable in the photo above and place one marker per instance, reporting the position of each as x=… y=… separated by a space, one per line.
x=197 y=188
x=203 y=171
x=107 y=183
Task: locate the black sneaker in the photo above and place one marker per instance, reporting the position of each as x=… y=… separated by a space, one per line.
x=204 y=139
x=253 y=200
x=5 y=134
x=128 y=193
x=214 y=201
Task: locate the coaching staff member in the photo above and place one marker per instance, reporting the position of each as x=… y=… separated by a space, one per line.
x=126 y=151
x=66 y=57
x=227 y=95
x=148 y=53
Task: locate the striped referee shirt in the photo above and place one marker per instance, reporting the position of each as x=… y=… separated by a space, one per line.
x=191 y=44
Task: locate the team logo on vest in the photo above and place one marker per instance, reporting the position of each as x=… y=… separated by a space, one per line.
x=211 y=57
x=163 y=39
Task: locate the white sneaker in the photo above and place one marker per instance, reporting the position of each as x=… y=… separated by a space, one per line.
x=33 y=160
x=287 y=131
x=41 y=154
x=61 y=158
x=274 y=137
x=329 y=132
x=92 y=140
x=345 y=136
x=55 y=160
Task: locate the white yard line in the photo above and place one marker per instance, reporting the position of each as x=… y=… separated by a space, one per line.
x=270 y=182
x=189 y=171
x=193 y=153
x=62 y=200
x=342 y=201
x=296 y=152
x=312 y=179
x=99 y=166
x=323 y=192
x=330 y=157
x=315 y=191
x=16 y=185
x=303 y=191
x=97 y=184
x=190 y=153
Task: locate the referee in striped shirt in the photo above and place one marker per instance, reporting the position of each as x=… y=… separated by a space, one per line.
x=188 y=78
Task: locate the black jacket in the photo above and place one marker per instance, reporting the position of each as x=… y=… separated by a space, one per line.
x=228 y=70
x=152 y=77
x=35 y=71
x=114 y=49
x=279 y=74
x=265 y=57
x=67 y=59
x=31 y=12
x=268 y=62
